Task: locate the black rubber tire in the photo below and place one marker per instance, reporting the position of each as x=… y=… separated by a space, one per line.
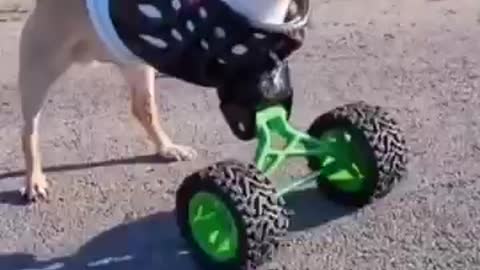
x=260 y=215
x=385 y=147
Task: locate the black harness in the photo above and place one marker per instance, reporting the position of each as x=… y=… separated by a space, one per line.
x=206 y=43
x=203 y=42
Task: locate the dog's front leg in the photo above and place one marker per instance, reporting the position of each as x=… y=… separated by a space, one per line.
x=141 y=80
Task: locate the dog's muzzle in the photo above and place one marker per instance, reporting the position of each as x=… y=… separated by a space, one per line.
x=241 y=98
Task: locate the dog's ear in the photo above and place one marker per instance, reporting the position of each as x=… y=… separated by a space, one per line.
x=240 y=119
x=240 y=99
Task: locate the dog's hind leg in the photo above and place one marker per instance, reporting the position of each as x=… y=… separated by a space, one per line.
x=141 y=79
x=42 y=61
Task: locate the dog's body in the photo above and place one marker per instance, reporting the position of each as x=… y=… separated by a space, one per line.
x=59 y=34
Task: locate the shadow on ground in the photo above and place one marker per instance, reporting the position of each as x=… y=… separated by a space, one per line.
x=14 y=197
x=80 y=166
x=154 y=242
x=312 y=209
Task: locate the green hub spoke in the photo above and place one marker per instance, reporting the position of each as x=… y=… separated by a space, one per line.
x=213 y=226
x=346 y=165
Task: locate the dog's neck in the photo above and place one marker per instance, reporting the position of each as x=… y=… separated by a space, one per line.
x=266 y=11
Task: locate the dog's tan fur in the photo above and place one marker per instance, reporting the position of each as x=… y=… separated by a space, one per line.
x=56 y=35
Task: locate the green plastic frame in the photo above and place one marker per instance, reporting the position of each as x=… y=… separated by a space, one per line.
x=337 y=159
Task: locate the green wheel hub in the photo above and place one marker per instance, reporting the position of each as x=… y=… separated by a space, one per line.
x=213 y=226
x=346 y=166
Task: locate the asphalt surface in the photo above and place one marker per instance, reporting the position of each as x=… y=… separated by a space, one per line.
x=111 y=202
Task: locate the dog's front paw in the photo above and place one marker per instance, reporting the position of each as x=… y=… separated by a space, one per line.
x=178 y=152
x=36 y=189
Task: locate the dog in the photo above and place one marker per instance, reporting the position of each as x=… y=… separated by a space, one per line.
x=58 y=34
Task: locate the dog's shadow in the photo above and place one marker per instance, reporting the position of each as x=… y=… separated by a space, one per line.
x=311 y=209
x=14 y=198
x=151 y=242
x=154 y=242
x=80 y=166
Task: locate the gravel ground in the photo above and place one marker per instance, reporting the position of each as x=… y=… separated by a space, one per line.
x=111 y=202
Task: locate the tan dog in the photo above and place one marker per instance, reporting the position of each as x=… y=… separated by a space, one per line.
x=61 y=33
